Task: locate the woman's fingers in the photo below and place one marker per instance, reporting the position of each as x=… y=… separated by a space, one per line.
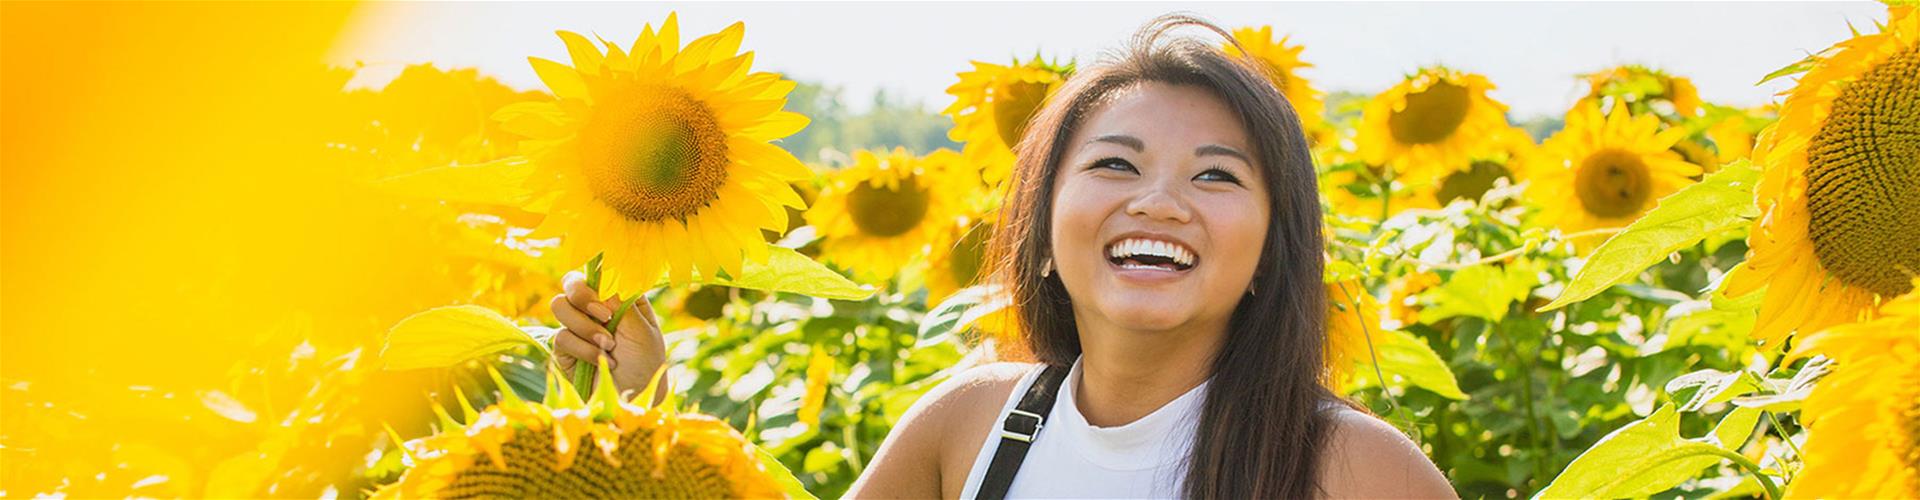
x=637 y=320
x=568 y=347
x=573 y=319
x=585 y=298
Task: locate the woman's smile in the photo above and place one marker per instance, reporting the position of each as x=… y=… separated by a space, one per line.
x=1146 y=258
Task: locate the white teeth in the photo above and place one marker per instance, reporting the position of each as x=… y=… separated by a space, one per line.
x=1138 y=246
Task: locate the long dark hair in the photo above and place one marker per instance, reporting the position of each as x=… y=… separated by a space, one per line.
x=1261 y=427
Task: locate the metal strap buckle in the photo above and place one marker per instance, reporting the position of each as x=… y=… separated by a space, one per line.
x=1007 y=430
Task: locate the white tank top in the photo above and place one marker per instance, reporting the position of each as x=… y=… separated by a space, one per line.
x=1071 y=458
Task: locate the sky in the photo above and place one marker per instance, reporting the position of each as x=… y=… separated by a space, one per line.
x=1531 y=51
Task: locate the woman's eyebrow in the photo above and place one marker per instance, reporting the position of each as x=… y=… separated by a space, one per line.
x=1129 y=141
x=1216 y=149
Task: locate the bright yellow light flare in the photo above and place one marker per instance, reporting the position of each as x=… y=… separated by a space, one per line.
x=1840 y=193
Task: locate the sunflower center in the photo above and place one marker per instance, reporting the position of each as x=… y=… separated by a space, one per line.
x=1013 y=105
x=1612 y=183
x=530 y=472
x=653 y=153
x=884 y=212
x=707 y=302
x=1471 y=183
x=1863 y=179
x=1430 y=115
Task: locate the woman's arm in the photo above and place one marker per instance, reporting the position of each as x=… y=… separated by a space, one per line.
x=1369 y=459
x=932 y=448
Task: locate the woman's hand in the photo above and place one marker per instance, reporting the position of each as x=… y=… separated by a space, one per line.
x=634 y=351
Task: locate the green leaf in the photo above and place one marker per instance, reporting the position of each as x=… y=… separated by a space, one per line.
x=782 y=475
x=821 y=458
x=1642 y=458
x=1722 y=201
x=1483 y=291
x=498 y=182
x=959 y=311
x=447 y=336
x=1407 y=360
x=787 y=271
x=1733 y=429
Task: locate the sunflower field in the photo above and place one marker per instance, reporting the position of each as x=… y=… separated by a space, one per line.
x=294 y=286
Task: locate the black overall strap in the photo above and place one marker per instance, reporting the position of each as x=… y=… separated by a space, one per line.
x=1018 y=431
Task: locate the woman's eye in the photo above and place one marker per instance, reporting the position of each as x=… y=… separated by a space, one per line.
x=1115 y=164
x=1215 y=174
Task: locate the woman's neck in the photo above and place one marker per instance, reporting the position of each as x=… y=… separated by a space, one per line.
x=1126 y=375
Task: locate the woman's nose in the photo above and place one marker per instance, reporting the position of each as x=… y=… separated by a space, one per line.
x=1160 y=201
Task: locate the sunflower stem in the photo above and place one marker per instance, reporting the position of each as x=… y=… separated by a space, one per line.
x=582 y=368
x=1773 y=491
x=1788 y=438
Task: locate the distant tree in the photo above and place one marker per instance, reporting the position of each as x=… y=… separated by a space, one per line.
x=835 y=131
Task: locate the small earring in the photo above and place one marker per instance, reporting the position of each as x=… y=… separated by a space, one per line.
x=1046 y=270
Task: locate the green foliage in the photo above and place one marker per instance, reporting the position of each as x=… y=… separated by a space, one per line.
x=1539 y=386
x=1404 y=357
x=1643 y=458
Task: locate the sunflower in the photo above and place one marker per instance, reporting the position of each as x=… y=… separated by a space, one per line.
x=1840 y=193
x=1433 y=123
x=1282 y=63
x=1863 y=419
x=573 y=449
x=1353 y=322
x=819 y=377
x=1643 y=90
x=1604 y=171
x=658 y=160
x=958 y=265
x=883 y=212
x=991 y=107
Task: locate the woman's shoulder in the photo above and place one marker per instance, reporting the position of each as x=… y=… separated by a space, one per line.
x=934 y=443
x=976 y=386
x=967 y=403
x=1366 y=457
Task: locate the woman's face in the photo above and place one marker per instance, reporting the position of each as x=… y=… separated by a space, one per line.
x=1160 y=211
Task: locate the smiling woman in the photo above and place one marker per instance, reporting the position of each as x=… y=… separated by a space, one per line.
x=1161 y=240
x=1162 y=243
